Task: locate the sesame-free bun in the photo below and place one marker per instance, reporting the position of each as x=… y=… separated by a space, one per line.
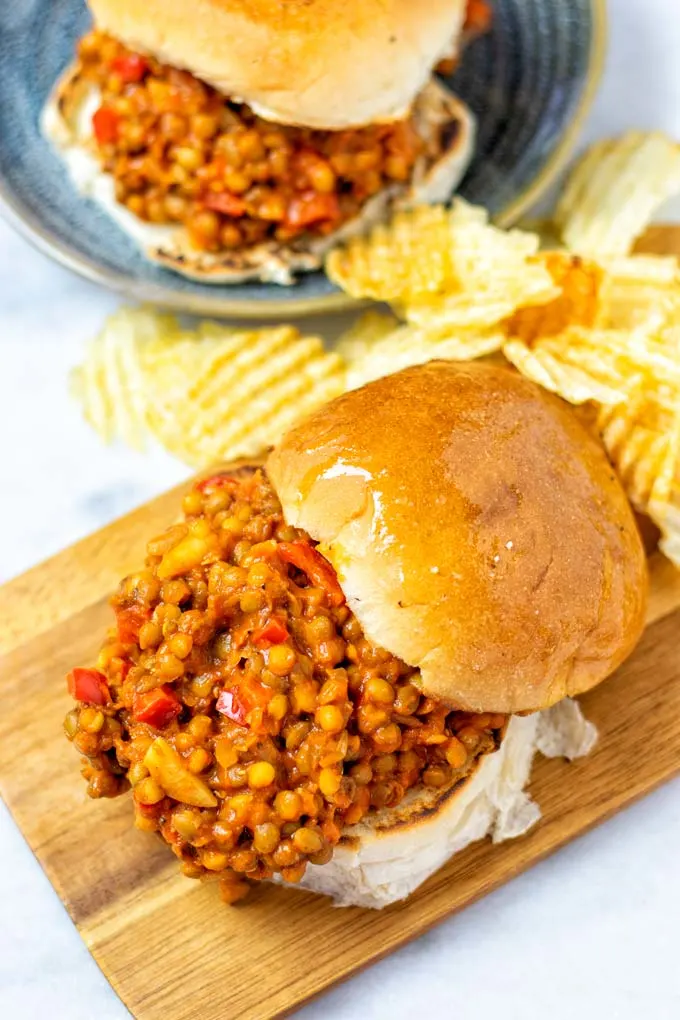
x=321 y=63
x=478 y=531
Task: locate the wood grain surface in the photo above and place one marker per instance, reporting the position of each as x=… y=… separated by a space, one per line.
x=168 y=945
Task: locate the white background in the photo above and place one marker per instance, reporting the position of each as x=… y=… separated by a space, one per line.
x=590 y=933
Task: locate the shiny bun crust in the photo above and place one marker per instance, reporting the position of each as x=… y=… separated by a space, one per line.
x=478 y=531
x=321 y=63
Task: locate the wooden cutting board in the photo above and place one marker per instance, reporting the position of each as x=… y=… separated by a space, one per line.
x=168 y=945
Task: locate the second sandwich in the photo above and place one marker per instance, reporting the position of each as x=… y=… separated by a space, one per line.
x=236 y=141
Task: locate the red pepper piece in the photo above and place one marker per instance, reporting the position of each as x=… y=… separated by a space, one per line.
x=129 y=620
x=88 y=685
x=229 y=704
x=319 y=571
x=273 y=633
x=479 y=17
x=105 y=125
x=217 y=482
x=130 y=66
x=237 y=703
x=312 y=207
x=224 y=202
x=158 y=707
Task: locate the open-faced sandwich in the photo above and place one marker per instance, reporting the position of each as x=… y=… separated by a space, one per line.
x=241 y=139
x=332 y=670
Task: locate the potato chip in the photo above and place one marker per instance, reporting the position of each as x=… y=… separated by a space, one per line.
x=360 y=339
x=577 y=304
x=110 y=383
x=545 y=363
x=642 y=290
x=412 y=254
x=408 y=346
x=205 y=395
x=614 y=190
x=480 y=306
x=602 y=365
x=444 y=268
x=240 y=406
x=642 y=437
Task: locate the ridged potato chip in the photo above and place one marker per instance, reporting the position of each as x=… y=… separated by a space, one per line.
x=480 y=306
x=578 y=302
x=569 y=366
x=412 y=254
x=362 y=336
x=614 y=190
x=255 y=386
x=606 y=366
x=640 y=291
x=642 y=437
x=206 y=395
x=110 y=384
x=408 y=346
x=444 y=268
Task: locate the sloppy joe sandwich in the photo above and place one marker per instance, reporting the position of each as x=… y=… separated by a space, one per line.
x=334 y=669
x=241 y=140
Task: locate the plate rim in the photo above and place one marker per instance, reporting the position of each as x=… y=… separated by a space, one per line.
x=23 y=219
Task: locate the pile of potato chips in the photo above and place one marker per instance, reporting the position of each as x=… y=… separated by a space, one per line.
x=586 y=319
x=205 y=394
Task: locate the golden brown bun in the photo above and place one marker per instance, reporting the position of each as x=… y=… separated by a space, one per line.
x=324 y=63
x=478 y=531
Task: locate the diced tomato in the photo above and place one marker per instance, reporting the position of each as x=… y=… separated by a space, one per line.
x=125 y=668
x=129 y=620
x=224 y=202
x=273 y=633
x=237 y=703
x=130 y=66
x=319 y=571
x=254 y=694
x=479 y=17
x=105 y=125
x=312 y=207
x=229 y=704
x=217 y=482
x=88 y=685
x=158 y=707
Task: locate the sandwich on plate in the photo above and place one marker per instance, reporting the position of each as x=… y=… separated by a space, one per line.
x=241 y=139
x=336 y=668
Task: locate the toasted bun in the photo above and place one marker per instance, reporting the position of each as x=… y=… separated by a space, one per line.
x=444 y=123
x=393 y=851
x=478 y=531
x=321 y=63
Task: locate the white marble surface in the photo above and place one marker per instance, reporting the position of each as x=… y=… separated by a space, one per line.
x=590 y=933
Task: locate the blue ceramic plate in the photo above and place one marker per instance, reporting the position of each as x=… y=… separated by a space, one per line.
x=529 y=83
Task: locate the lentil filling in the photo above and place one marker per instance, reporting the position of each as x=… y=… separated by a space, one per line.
x=181 y=152
x=239 y=698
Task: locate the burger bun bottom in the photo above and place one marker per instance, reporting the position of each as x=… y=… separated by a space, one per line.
x=444 y=122
x=384 y=860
